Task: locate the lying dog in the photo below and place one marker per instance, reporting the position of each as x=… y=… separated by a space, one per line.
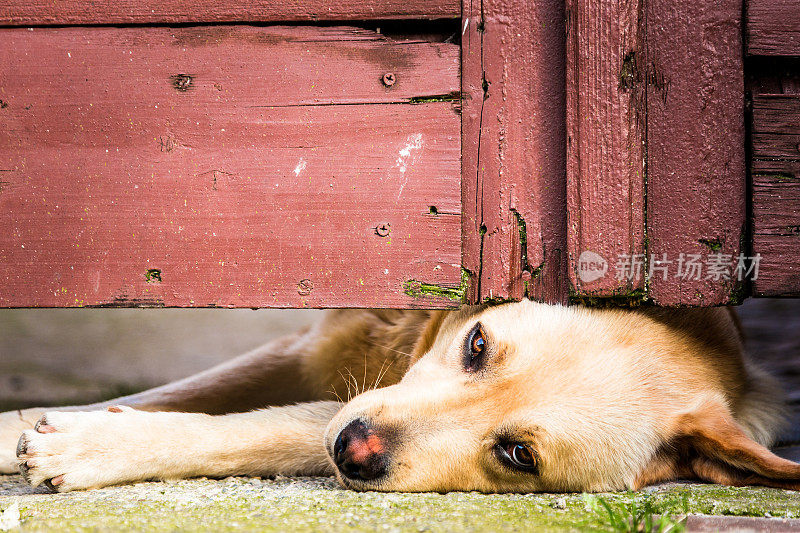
x=516 y=397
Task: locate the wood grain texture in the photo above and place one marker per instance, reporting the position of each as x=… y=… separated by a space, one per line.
x=513 y=138
x=776 y=193
x=43 y=12
x=696 y=180
x=606 y=113
x=226 y=166
x=656 y=116
x=773 y=27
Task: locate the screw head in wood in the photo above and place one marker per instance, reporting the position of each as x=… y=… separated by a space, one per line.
x=153 y=275
x=181 y=82
x=305 y=287
x=383 y=229
x=388 y=79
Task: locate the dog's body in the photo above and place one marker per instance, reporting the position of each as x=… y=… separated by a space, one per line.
x=515 y=397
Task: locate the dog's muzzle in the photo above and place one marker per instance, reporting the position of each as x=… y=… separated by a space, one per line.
x=359 y=452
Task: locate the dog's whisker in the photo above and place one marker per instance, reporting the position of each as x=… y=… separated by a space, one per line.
x=354 y=382
x=364 y=381
x=332 y=390
x=378 y=378
x=347 y=384
x=385 y=373
x=389 y=348
x=382 y=373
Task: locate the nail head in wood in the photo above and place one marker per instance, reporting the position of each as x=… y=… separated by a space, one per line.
x=181 y=82
x=305 y=287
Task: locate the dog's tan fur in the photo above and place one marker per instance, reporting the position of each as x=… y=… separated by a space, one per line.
x=606 y=399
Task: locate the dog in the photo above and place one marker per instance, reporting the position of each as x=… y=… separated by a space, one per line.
x=515 y=397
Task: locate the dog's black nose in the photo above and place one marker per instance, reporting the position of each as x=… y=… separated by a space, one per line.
x=359 y=452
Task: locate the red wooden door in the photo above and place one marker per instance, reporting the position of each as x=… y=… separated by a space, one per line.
x=574 y=151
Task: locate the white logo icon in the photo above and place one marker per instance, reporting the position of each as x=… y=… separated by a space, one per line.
x=591 y=266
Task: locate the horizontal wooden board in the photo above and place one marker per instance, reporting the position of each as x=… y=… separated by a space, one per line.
x=42 y=12
x=773 y=27
x=776 y=193
x=227 y=166
x=776 y=235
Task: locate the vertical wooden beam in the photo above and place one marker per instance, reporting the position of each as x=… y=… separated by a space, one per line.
x=605 y=146
x=655 y=146
x=513 y=138
x=696 y=181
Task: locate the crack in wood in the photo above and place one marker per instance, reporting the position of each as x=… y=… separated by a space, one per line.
x=414 y=100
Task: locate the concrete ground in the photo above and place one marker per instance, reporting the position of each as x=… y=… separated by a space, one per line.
x=317 y=504
x=77 y=356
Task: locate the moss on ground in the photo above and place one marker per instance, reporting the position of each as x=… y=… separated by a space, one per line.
x=318 y=504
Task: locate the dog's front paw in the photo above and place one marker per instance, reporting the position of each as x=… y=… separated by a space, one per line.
x=81 y=450
x=12 y=424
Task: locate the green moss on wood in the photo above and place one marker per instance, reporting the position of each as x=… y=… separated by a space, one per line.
x=779 y=176
x=454 y=96
x=620 y=298
x=715 y=245
x=628 y=75
x=421 y=289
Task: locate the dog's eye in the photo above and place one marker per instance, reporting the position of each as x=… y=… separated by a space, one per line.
x=475 y=347
x=477 y=343
x=519 y=456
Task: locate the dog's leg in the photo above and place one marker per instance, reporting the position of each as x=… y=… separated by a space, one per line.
x=335 y=356
x=80 y=450
x=270 y=375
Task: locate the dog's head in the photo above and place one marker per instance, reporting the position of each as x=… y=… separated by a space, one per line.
x=527 y=397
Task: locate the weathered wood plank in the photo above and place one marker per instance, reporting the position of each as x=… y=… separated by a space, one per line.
x=773 y=27
x=513 y=137
x=227 y=166
x=776 y=235
x=782 y=148
x=776 y=193
x=43 y=12
x=655 y=115
x=696 y=179
x=606 y=112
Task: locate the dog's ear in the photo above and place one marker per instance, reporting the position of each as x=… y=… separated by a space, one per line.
x=709 y=445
